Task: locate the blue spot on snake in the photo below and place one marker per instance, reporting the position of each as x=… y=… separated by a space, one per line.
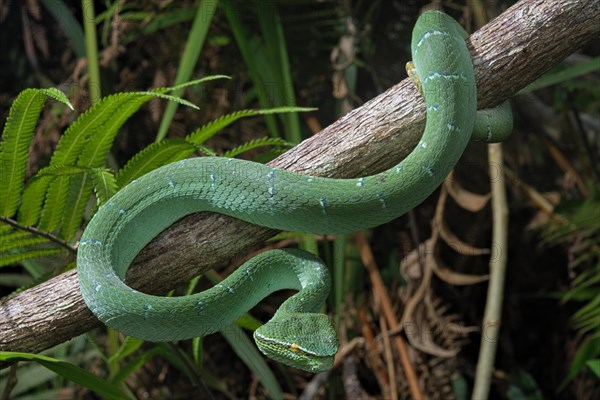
x=428 y=169
x=452 y=126
x=225 y=287
x=324 y=204
x=199 y=307
x=147 y=310
x=271 y=190
x=429 y=33
x=381 y=197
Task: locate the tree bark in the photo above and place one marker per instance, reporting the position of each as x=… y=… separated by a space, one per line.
x=508 y=53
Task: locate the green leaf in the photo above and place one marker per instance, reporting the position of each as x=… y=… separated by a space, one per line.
x=194 y=44
x=152 y=157
x=195 y=82
x=21 y=243
x=16 y=138
x=33 y=200
x=265 y=141
x=68 y=23
x=587 y=351
x=77 y=200
x=70 y=372
x=172 y=98
x=207 y=131
x=522 y=386
x=138 y=361
x=247 y=352
x=105 y=184
x=10 y=259
x=594 y=366
x=561 y=74
x=130 y=345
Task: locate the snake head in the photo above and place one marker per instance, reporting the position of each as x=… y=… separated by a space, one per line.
x=305 y=341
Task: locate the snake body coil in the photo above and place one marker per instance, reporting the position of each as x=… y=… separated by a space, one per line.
x=280 y=199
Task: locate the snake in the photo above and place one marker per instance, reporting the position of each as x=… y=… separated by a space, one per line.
x=298 y=334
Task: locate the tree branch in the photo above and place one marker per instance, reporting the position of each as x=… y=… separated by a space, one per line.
x=508 y=53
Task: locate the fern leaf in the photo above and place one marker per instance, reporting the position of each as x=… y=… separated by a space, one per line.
x=68 y=149
x=96 y=149
x=172 y=98
x=56 y=197
x=16 y=138
x=78 y=197
x=195 y=82
x=152 y=157
x=33 y=200
x=204 y=150
x=5 y=229
x=23 y=243
x=86 y=126
x=52 y=212
x=265 y=141
x=105 y=184
x=207 y=131
x=13 y=234
x=10 y=259
x=56 y=95
x=71 y=201
x=60 y=170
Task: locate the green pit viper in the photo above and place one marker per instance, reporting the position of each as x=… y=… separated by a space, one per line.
x=298 y=334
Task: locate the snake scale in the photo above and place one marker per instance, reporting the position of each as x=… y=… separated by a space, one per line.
x=298 y=334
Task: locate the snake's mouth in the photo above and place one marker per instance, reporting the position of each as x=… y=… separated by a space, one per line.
x=294 y=354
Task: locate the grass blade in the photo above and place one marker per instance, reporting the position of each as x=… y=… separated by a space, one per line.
x=193 y=46
x=69 y=371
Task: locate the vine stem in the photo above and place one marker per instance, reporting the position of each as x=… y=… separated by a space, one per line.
x=493 y=306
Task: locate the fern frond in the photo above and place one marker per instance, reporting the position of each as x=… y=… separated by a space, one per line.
x=80 y=191
x=71 y=200
x=13 y=234
x=56 y=197
x=32 y=201
x=152 y=157
x=60 y=170
x=105 y=184
x=194 y=82
x=252 y=144
x=56 y=95
x=207 y=131
x=69 y=148
x=16 y=138
x=22 y=243
x=10 y=259
x=86 y=126
x=200 y=148
x=172 y=98
x=587 y=318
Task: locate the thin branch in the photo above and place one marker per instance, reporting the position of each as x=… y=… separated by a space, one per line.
x=35 y=231
x=492 y=316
